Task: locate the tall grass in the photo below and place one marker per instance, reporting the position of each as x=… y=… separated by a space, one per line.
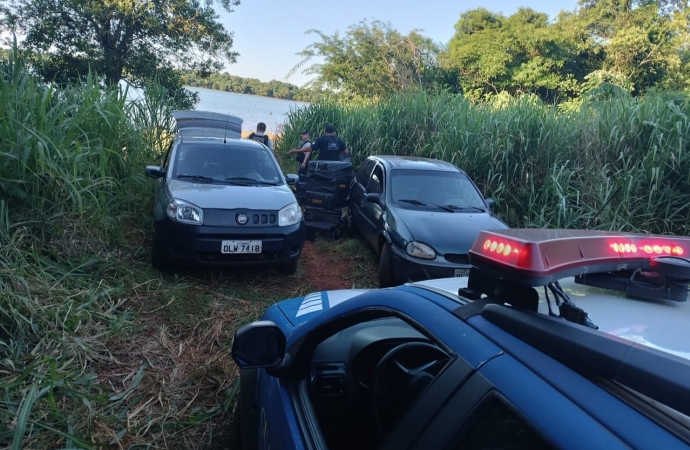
x=71 y=177
x=545 y=167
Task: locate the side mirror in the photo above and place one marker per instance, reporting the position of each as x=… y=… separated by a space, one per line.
x=376 y=198
x=291 y=178
x=491 y=203
x=258 y=344
x=154 y=172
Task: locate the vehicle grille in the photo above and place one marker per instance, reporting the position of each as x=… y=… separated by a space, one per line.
x=263 y=218
x=457 y=258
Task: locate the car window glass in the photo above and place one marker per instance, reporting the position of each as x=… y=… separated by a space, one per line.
x=375 y=185
x=496 y=426
x=218 y=162
x=429 y=186
x=364 y=171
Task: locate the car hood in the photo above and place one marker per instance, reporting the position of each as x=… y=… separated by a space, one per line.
x=445 y=231
x=223 y=196
x=302 y=309
x=659 y=324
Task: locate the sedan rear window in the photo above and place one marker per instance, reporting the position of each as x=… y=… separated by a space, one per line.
x=220 y=163
x=428 y=187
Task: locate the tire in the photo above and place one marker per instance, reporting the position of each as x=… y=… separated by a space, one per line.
x=350 y=227
x=290 y=268
x=246 y=410
x=386 y=278
x=236 y=438
x=159 y=257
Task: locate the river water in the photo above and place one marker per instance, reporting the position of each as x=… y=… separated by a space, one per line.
x=251 y=108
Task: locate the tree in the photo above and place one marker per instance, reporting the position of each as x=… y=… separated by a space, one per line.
x=644 y=42
x=519 y=54
x=133 y=39
x=371 y=60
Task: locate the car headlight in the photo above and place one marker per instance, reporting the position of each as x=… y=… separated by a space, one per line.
x=420 y=250
x=185 y=212
x=289 y=215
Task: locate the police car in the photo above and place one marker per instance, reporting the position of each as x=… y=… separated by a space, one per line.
x=557 y=339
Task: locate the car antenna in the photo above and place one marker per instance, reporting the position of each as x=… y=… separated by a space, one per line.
x=225 y=136
x=603 y=206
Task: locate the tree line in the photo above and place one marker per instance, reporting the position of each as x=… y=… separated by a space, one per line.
x=630 y=46
x=232 y=83
x=604 y=46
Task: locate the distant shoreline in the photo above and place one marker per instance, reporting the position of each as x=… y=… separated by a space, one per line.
x=248 y=95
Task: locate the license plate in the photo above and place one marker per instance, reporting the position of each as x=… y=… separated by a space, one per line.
x=462 y=272
x=240 y=247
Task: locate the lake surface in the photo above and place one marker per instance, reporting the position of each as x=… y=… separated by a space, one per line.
x=251 y=108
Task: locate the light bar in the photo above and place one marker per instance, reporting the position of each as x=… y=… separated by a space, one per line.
x=538 y=256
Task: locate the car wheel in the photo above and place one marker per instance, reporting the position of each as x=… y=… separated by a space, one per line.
x=159 y=257
x=386 y=267
x=291 y=267
x=350 y=226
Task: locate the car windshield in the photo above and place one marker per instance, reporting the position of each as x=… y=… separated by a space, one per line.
x=217 y=163
x=423 y=188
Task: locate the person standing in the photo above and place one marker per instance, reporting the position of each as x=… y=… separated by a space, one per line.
x=329 y=146
x=260 y=136
x=303 y=158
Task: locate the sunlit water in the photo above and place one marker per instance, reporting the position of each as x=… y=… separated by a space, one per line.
x=251 y=108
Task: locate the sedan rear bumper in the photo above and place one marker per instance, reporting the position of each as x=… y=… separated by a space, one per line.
x=200 y=245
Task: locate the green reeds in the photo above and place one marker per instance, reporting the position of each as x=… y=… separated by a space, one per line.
x=545 y=167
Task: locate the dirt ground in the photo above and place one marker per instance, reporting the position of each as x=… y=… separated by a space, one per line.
x=322 y=269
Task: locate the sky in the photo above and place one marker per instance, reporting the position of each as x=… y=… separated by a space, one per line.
x=268 y=34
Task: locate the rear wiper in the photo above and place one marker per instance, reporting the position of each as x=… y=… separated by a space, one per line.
x=197 y=178
x=466 y=207
x=253 y=180
x=417 y=202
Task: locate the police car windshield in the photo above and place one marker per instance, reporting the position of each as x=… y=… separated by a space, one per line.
x=424 y=188
x=217 y=163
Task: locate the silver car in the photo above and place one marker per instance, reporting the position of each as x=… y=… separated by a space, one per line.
x=221 y=200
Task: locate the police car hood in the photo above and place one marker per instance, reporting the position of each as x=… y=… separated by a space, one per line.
x=302 y=309
x=660 y=324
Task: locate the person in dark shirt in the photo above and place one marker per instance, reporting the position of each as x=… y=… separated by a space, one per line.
x=329 y=146
x=303 y=158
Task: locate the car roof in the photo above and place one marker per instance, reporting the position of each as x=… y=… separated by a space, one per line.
x=416 y=163
x=218 y=140
x=659 y=324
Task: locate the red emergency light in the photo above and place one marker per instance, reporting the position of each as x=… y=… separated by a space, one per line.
x=538 y=256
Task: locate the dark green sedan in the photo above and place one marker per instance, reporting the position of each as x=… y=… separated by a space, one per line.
x=421 y=216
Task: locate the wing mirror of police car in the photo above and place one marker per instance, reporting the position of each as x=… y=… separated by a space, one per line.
x=291 y=178
x=491 y=203
x=258 y=344
x=154 y=172
x=376 y=198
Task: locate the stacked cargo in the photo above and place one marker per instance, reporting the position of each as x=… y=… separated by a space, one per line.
x=326 y=193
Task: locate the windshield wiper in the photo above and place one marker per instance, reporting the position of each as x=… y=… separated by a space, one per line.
x=252 y=180
x=417 y=202
x=412 y=201
x=197 y=178
x=465 y=207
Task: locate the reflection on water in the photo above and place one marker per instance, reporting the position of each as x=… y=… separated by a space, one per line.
x=251 y=108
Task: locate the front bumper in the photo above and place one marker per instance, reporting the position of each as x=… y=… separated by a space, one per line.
x=201 y=244
x=409 y=269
